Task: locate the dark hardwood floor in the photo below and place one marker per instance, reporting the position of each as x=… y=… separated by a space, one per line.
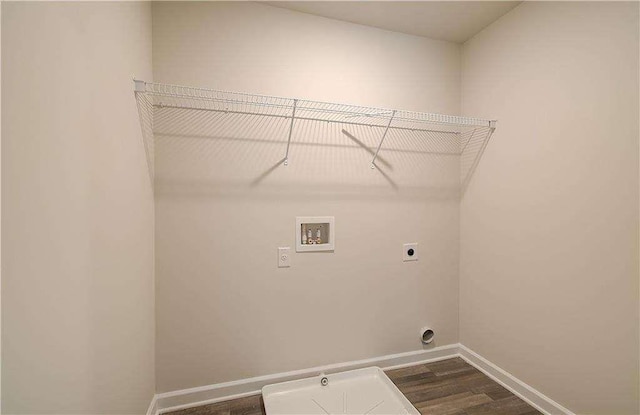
x=449 y=387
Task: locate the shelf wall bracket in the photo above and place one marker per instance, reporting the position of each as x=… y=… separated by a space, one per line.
x=293 y=117
x=468 y=141
x=145 y=116
x=386 y=130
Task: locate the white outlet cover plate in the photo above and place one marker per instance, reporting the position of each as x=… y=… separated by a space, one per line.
x=360 y=391
x=405 y=252
x=284 y=257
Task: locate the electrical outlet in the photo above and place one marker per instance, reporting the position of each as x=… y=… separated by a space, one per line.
x=410 y=252
x=284 y=257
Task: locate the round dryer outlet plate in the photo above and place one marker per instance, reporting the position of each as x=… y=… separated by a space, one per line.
x=410 y=252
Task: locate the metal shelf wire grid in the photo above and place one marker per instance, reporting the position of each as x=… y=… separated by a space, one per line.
x=468 y=136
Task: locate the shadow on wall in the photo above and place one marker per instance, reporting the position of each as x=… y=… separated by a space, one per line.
x=200 y=153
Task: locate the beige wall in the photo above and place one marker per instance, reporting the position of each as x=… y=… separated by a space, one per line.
x=224 y=310
x=77 y=210
x=0 y=208
x=549 y=224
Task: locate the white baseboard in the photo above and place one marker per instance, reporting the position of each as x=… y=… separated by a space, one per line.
x=525 y=392
x=153 y=406
x=188 y=398
x=203 y=395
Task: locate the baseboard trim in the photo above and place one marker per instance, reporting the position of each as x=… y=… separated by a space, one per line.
x=203 y=395
x=153 y=406
x=525 y=392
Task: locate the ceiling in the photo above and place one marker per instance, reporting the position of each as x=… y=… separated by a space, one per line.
x=454 y=21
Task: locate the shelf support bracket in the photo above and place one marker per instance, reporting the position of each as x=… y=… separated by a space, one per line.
x=386 y=130
x=468 y=141
x=293 y=117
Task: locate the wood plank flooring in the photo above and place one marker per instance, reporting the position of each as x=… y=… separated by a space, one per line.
x=449 y=387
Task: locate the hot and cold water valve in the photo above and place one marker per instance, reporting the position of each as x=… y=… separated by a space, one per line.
x=315 y=233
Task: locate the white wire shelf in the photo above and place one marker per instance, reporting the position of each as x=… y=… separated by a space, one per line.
x=464 y=132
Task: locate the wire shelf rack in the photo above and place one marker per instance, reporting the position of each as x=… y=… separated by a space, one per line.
x=466 y=136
